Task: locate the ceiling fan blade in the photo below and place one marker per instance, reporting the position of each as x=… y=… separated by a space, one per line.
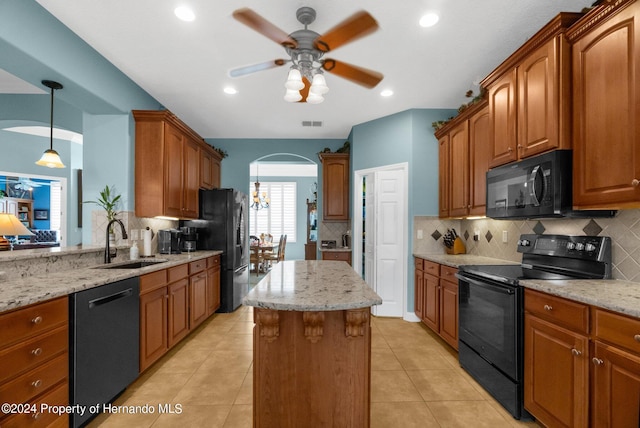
x=358 y=25
x=361 y=76
x=252 y=20
x=248 y=69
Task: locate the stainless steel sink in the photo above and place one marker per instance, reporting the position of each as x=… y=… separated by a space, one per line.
x=131 y=265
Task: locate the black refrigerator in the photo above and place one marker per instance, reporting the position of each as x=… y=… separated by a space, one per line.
x=223 y=225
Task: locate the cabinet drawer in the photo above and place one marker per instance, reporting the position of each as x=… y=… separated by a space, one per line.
x=31 y=320
x=617 y=329
x=153 y=280
x=178 y=272
x=336 y=255
x=418 y=263
x=197 y=266
x=36 y=381
x=213 y=261
x=448 y=273
x=431 y=268
x=56 y=397
x=561 y=311
x=30 y=353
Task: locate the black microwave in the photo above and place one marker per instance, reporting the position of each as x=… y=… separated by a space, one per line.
x=540 y=186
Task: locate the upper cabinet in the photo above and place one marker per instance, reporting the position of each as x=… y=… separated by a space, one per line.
x=606 y=97
x=529 y=96
x=464 y=151
x=169 y=156
x=335 y=186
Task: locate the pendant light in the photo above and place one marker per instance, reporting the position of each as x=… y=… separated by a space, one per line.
x=50 y=158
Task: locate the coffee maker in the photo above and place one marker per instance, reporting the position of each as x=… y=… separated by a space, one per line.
x=169 y=241
x=189 y=238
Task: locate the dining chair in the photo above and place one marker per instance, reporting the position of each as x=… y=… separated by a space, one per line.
x=257 y=260
x=278 y=256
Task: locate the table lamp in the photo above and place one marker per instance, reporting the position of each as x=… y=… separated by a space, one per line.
x=10 y=226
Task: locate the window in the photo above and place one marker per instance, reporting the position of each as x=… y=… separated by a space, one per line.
x=55 y=207
x=280 y=217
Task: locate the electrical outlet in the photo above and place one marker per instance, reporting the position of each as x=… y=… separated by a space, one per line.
x=476 y=235
x=505 y=236
x=134 y=234
x=419 y=234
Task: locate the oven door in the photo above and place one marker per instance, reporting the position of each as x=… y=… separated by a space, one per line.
x=490 y=322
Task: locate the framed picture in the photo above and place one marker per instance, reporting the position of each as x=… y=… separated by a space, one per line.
x=41 y=214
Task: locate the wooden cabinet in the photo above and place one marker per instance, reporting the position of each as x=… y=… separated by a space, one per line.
x=21 y=208
x=615 y=386
x=479 y=152
x=344 y=256
x=556 y=360
x=443 y=175
x=167 y=166
x=529 y=96
x=459 y=169
x=436 y=298
x=335 y=186
x=606 y=95
x=34 y=355
x=173 y=302
x=310 y=247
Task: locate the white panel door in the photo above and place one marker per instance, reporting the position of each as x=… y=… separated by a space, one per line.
x=368 y=215
x=389 y=241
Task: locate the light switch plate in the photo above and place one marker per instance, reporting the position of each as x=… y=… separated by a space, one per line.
x=419 y=234
x=505 y=236
x=134 y=234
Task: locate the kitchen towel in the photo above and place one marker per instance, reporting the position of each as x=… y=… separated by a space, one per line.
x=147 y=235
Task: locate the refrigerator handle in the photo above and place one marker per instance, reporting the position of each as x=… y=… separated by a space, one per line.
x=241 y=268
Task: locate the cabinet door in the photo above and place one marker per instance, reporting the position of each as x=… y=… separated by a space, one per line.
x=479 y=153
x=198 y=308
x=459 y=170
x=449 y=312
x=616 y=387
x=606 y=94
x=206 y=173
x=443 y=177
x=335 y=187
x=502 y=119
x=178 y=311
x=418 y=282
x=173 y=171
x=432 y=302
x=153 y=326
x=556 y=374
x=191 y=178
x=213 y=290
x=216 y=171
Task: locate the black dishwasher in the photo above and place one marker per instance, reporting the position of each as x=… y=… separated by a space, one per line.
x=104 y=342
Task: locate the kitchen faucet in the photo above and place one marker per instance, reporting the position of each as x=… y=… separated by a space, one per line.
x=107 y=254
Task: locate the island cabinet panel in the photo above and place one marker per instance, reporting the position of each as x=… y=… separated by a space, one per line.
x=34 y=356
x=329 y=356
x=335 y=186
x=606 y=107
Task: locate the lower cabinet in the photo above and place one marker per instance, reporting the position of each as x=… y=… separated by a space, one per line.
x=344 y=256
x=436 y=298
x=173 y=302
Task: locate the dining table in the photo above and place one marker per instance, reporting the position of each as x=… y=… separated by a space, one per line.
x=260 y=249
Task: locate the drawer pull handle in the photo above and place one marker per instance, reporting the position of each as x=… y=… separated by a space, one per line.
x=37 y=320
x=575 y=352
x=597 y=361
x=36 y=383
x=547 y=307
x=635 y=182
x=636 y=337
x=37 y=351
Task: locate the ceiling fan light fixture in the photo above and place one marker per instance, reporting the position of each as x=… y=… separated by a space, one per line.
x=50 y=158
x=429 y=20
x=319 y=85
x=294 y=80
x=292 y=96
x=184 y=14
x=314 y=98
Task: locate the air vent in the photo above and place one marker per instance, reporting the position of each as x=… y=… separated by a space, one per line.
x=312 y=123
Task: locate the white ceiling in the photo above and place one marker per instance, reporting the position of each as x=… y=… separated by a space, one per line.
x=185 y=65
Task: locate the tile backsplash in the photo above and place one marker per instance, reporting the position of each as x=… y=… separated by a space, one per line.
x=624 y=230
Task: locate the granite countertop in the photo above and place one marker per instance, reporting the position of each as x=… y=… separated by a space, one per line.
x=612 y=294
x=335 y=250
x=312 y=285
x=15 y=293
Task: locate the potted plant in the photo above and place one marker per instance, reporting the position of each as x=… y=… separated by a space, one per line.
x=108 y=201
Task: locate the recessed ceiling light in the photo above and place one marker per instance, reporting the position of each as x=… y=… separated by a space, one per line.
x=229 y=90
x=386 y=93
x=429 y=20
x=184 y=13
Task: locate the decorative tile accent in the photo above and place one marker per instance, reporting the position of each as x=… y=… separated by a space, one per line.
x=489 y=236
x=592 y=229
x=539 y=228
x=436 y=235
x=466 y=235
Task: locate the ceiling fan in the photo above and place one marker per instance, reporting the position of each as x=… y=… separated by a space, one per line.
x=306 y=49
x=23 y=183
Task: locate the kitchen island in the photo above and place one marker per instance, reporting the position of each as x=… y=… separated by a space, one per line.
x=311 y=346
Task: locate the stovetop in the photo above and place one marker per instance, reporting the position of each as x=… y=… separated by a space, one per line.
x=512 y=274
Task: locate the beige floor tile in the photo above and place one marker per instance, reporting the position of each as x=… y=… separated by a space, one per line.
x=241 y=416
x=228 y=361
x=441 y=385
x=464 y=414
x=138 y=420
x=238 y=342
x=384 y=359
x=242 y=327
x=157 y=388
x=245 y=395
x=186 y=360
x=194 y=416
x=402 y=414
x=421 y=358
x=392 y=385
x=211 y=388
